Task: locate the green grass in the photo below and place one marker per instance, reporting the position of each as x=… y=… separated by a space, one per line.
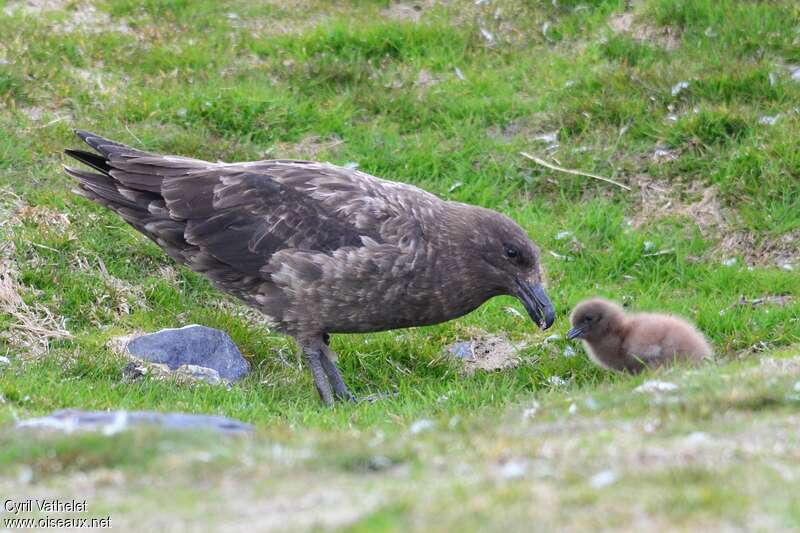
x=242 y=80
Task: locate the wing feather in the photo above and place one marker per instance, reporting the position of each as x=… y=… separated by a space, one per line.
x=231 y=219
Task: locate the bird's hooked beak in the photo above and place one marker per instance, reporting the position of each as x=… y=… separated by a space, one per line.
x=576 y=332
x=536 y=303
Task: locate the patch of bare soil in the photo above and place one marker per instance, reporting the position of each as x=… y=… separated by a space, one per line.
x=80 y=16
x=660 y=199
x=487 y=352
x=46 y=219
x=405 y=12
x=626 y=24
x=34 y=7
x=301 y=16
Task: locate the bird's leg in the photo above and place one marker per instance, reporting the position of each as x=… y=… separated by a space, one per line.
x=314 y=356
x=334 y=377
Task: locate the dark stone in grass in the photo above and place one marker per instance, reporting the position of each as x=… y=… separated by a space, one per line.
x=110 y=422
x=192 y=345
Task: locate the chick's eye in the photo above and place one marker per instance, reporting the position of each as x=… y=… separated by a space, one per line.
x=511 y=252
x=588 y=318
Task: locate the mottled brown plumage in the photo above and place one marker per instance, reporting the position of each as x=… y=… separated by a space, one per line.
x=619 y=341
x=317 y=248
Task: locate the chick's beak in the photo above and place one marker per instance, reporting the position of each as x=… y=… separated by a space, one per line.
x=536 y=303
x=575 y=333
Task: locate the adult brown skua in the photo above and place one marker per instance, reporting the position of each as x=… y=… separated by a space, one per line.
x=631 y=342
x=317 y=248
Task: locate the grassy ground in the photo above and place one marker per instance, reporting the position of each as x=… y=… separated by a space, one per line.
x=690 y=104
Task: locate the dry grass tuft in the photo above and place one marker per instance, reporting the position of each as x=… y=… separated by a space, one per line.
x=660 y=199
x=33 y=326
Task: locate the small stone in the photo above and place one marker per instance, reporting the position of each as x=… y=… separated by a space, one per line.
x=572 y=409
x=379 y=463
x=768 y=120
x=198 y=346
x=679 y=87
x=531 y=411
x=514 y=469
x=547 y=137
x=556 y=381
x=655 y=386
x=4 y=360
x=603 y=478
x=569 y=351
x=729 y=261
x=462 y=350
x=421 y=425
x=25 y=475
x=561 y=235
x=697 y=438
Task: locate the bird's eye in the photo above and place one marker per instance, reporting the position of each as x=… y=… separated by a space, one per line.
x=588 y=318
x=511 y=252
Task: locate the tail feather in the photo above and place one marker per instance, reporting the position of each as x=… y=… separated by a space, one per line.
x=90 y=159
x=101 y=186
x=136 y=198
x=129 y=182
x=102 y=145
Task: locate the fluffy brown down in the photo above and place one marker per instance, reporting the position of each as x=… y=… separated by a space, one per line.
x=630 y=342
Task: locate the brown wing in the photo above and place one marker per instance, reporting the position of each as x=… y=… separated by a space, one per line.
x=227 y=220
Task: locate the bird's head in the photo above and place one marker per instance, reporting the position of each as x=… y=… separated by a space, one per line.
x=508 y=262
x=592 y=319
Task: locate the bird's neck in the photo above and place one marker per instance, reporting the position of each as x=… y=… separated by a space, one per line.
x=456 y=258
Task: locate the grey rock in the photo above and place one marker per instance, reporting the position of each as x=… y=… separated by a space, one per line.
x=192 y=345
x=111 y=422
x=4 y=360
